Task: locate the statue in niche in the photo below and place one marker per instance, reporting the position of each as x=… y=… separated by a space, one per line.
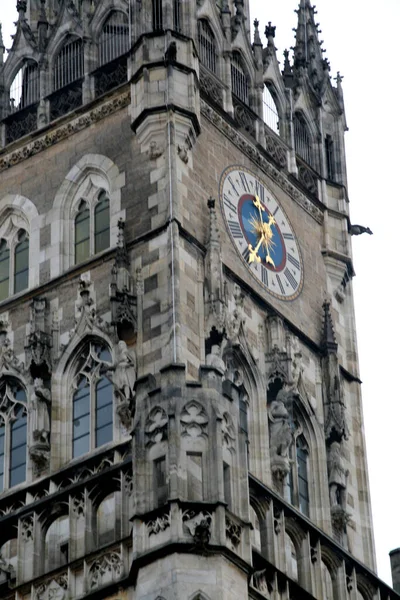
x=280 y=433
x=337 y=477
x=39 y=409
x=124 y=380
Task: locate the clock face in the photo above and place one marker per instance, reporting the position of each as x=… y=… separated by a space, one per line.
x=261 y=232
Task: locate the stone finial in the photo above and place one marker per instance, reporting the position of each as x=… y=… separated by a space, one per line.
x=270 y=31
x=21 y=8
x=257 y=38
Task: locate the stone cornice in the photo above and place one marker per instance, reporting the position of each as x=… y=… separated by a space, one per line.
x=257 y=157
x=58 y=133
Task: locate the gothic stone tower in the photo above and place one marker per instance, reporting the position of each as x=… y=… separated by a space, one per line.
x=180 y=407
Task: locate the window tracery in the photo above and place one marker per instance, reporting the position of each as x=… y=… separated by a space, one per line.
x=114 y=37
x=92 y=418
x=207 y=45
x=13 y=434
x=14 y=256
x=240 y=82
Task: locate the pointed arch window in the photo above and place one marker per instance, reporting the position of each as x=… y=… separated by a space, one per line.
x=92 y=227
x=92 y=418
x=240 y=82
x=270 y=111
x=114 y=37
x=13 y=431
x=298 y=482
x=302 y=139
x=24 y=89
x=14 y=263
x=68 y=65
x=57 y=543
x=207 y=45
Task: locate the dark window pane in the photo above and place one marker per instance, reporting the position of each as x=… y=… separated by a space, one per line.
x=18 y=433
x=17 y=475
x=104 y=392
x=102 y=225
x=2 y=432
x=81 y=426
x=82 y=235
x=20 y=395
x=4 y=270
x=1 y=482
x=104 y=435
x=21 y=274
x=104 y=416
x=18 y=456
x=81 y=446
x=81 y=405
x=104 y=354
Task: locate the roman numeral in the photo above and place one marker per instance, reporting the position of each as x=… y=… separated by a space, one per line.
x=246 y=254
x=235 y=229
x=229 y=204
x=233 y=186
x=244 y=182
x=280 y=285
x=260 y=191
x=264 y=275
x=290 y=278
x=294 y=261
x=288 y=236
x=276 y=210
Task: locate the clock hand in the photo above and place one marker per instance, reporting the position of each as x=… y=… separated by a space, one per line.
x=253 y=256
x=257 y=204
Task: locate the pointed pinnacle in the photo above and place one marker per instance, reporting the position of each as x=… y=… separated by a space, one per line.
x=21 y=8
x=329 y=343
x=257 y=38
x=1 y=37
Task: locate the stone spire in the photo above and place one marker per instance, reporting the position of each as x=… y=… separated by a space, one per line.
x=308 y=54
x=42 y=26
x=257 y=44
x=2 y=47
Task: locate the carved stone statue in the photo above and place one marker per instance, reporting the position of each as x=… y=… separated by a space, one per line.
x=39 y=408
x=124 y=373
x=280 y=434
x=214 y=359
x=337 y=476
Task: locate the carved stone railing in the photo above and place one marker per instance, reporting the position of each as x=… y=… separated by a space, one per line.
x=66 y=100
x=244 y=116
x=111 y=75
x=307 y=177
x=211 y=86
x=267 y=579
x=21 y=123
x=275 y=147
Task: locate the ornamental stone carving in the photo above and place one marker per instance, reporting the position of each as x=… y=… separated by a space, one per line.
x=78 y=504
x=39 y=407
x=194 y=420
x=160 y=523
x=6 y=568
x=122 y=298
x=261 y=583
x=124 y=379
x=156 y=428
x=52 y=589
x=228 y=432
x=337 y=476
x=199 y=526
x=105 y=569
x=27 y=526
x=280 y=434
x=38 y=343
x=233 y=532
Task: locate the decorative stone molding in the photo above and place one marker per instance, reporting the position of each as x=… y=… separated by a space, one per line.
x=27 y=526
x=78 y=504
x=194 y=420
x=52 y=589
x=228 y=432
x=255 y=155
x=156 y=428
x=105 y=569
x=38 y=343
x=199 y=526
x=233 y=532
x=160 y=523
x=280 y=435
x=124 y=379
x=64 y=131
x=261 y=582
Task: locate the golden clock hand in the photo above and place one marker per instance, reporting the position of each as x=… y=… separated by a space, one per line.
x=257 y=204
x=253 y=256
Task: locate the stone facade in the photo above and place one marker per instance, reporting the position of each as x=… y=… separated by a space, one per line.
x=232 y=464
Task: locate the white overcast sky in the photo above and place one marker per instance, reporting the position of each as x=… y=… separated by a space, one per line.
x=361 y=39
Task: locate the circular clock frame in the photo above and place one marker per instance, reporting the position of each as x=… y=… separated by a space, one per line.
x=261 y=232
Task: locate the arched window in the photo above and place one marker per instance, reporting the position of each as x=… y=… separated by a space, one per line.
x=157 y=15
x=14 y=263
x=255 y=535
x=24 y=90
x=207 y=46
x=302 y=140
x=68 y=66
x=291 y=558
x=13 y=426
x=298 y=476
x=114 y=38
x=270 y=112
x=327 y=587
x=92 y=227
x=240 y=82
x=106 y=523
x=57 y=544
x=92 y=419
